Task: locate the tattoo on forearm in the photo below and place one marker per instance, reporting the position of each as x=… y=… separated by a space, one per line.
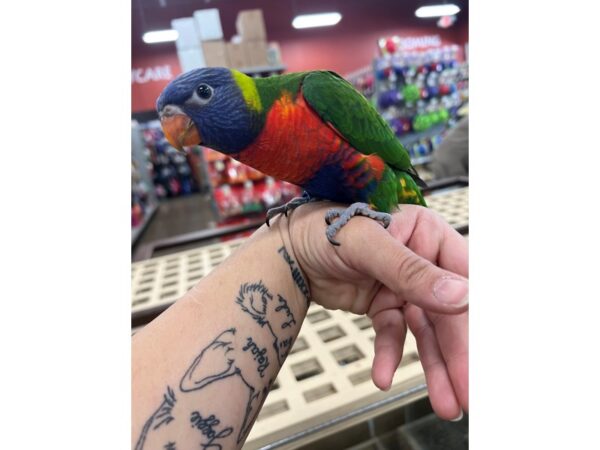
x=230 y=358
x=162 y=416
x=283 y=306
x=259 y=355
x=207 y=427
x=296 y=273
x=256 y=300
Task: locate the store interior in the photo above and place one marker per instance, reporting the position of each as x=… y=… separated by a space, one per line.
x=191 y=209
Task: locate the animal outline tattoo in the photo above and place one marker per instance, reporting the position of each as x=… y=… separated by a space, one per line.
x=227 y=357
x=256 y=300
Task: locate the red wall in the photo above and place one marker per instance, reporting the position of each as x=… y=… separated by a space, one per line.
x=347 y=52
x=343 y=51
x=149 y=76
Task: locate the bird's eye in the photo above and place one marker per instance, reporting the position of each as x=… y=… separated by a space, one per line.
x=204 y=92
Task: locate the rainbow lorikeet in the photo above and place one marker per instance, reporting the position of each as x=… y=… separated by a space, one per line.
x=312 y=129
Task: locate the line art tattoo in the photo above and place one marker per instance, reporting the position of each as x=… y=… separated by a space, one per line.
x=227 y=357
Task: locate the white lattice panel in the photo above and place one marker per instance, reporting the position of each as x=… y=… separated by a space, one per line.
x=452 y=205
x=160 y=281
x=326 y=374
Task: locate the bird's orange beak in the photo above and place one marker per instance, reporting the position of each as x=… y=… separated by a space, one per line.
x=180 y=130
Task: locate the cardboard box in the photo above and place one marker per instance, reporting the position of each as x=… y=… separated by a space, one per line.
x=237 y=55
x=191 y=58
x=274 y=54
x=257 y=52
x=208 y=24
x=215 y=53
x=250 y=25
x=188 y=37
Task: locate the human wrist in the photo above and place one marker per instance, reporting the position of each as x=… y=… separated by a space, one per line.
x=290 y=251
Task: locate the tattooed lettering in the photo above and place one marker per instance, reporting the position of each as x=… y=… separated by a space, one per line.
x=296 y=273
x=286 y=344
x=170 y=446
x=283 y=306
x=260 y=355
x=206 y=426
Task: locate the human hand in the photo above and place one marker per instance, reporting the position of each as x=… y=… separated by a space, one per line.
x=412 y=274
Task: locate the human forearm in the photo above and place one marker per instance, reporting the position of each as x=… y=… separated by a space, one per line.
x=203 y=368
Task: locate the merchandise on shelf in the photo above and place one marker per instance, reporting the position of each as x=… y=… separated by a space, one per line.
x=141 y=201
x=240 y=190
x=426 y=87
x=174 y=173
x=418 y=92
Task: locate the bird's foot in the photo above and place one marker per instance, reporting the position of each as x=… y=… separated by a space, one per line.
x=337 y=218
x=289 y=206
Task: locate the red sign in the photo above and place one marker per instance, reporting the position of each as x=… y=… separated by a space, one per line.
x=149 y=76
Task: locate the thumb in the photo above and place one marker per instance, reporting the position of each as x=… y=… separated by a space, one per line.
x=412 y=278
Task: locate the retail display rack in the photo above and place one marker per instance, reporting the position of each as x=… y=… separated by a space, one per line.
x=143 y=196
x=419 y=93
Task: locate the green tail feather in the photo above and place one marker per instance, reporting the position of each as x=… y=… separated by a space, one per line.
x=408 y=190
x=396 y=187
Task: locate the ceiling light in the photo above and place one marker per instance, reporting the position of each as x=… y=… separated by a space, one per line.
x=316 y=20
x=155 y=37
x=447 y=9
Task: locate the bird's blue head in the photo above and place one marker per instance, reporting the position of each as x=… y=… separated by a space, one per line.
x=215 y=107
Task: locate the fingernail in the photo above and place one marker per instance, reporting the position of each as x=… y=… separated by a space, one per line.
x=459 y=418
x=451 y=291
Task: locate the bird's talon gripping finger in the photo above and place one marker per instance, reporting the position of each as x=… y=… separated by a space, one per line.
x=386 y=221
x=342 y=217
x=330 y=233
x=290 y=206
x=331 y=215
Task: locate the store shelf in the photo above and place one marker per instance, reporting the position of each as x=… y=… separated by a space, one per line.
x=137 y=231
x=258 y=70
x=241 y=182
x=413 y=138
x=421 y=160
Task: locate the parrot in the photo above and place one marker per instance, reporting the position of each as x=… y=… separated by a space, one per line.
x=312 y=129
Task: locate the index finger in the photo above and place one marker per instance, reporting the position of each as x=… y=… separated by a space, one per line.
x=432 y=238
x=372 y=250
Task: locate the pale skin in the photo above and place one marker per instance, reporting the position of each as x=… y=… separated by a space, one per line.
x=201 y=370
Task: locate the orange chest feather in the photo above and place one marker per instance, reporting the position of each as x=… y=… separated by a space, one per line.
x=294 y=142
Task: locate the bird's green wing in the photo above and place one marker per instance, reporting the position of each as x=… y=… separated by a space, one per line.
x=354 y=118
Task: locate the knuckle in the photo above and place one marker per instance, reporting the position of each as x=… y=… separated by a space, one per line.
x=411 y=270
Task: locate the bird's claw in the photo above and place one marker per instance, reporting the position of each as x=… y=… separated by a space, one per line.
x=336 y=218
x=289 y=206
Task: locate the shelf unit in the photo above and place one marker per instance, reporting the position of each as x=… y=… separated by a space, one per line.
x=140 y=161
x=442 y=84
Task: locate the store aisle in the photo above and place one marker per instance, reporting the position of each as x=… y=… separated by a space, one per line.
x=178 y=216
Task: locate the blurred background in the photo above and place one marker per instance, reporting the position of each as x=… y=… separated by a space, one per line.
x=189 y=210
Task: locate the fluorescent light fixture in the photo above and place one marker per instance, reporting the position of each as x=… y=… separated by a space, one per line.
x=155 y=37
x=447 y=9
x=316 y=20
